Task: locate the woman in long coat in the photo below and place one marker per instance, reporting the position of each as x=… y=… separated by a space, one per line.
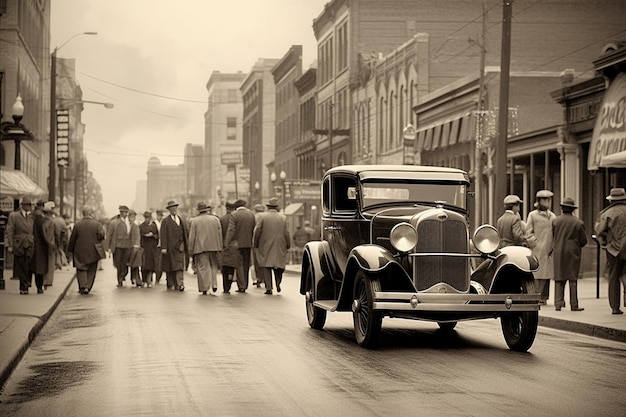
x=271 y=242
x=569 y=239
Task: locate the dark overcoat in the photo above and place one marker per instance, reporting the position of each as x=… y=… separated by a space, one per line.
x=150 y=244
x=82 y=244
x=174 y=240
x=569 y=238
x=19 y=233
x=240 y=228
x=44 y=242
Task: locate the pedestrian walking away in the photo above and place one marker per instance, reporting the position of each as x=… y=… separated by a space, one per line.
x=240 y=229
x=21 y=242
x=136 y=252
x=510 y=225
x=205 y=244
x=231 y=258
x=569 y=238
x=271 y=240
x=174 y=250
x=539 y=238
x=610 y=229
x=149 y=243
x=86 y=234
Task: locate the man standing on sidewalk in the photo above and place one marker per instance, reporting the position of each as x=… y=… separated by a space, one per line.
x=86 y=233
x=21 y=243
x=569 y=238
x=174 y=249
x=539 y=234
x=611 y=231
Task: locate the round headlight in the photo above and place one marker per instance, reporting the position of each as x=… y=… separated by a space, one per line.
x=486 y=239
x=403 y=237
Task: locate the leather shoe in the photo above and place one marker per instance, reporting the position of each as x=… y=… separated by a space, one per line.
x=241 y=290
x=558 y=308
x=39 y=290
x=277 y=287
x=617 y=311
x=181 y=288
x=25 y=292
x=577 y=308
x=268 y=292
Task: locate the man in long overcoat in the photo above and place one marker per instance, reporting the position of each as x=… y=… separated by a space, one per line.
x=151 y=252
x=44 y=244
x=539 y=232
x=174 y=250
x=569 y=238
x=611 y=231
x=271 y=241
x=205 y=243
x=21 y=243
x=86 y=233
x=231 y=258
x=240 y=229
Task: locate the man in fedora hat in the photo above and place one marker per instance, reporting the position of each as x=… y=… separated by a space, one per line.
x=175 y=259
x=611 y=231
x=149 y=238
x=240 y=229
x=509 y=225
x=539 y=237
x=205 y=243
x=569 y=238
x=119 y=242
x=271 y=242
x=21 y=242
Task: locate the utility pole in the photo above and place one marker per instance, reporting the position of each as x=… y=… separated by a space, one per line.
x=480 y=139
x=503 y=111
x=331 y=133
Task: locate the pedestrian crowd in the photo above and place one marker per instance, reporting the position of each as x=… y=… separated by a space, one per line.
x=557 y=242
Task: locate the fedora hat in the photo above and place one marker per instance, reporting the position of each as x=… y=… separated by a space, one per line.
x=240 y=203
x=147 y=213
x=202 y=207
x=123 y=208
x=272 y=203
x=171 y=203
x=616 y=194
x=512 y=199
x=230 y=206
x=568 y=202
x=26 y=201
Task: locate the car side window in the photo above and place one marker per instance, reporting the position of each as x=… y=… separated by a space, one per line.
x=344 y=194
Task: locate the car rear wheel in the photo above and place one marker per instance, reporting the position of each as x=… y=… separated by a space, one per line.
x=520 y=329
x=367 y=321
x=315 y=315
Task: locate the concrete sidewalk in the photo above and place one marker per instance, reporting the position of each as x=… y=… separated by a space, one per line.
x=23 y=316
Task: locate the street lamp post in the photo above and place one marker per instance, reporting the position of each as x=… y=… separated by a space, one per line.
x=273 y=179
x=16 y=131
x=257 y=187
x=53 y=113
x=283 y=176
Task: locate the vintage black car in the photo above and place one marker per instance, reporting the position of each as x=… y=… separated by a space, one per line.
x=395 y=242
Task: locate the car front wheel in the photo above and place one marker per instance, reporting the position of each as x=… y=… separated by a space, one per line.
x=315 y=315
x=519 y=329
x=367 y=321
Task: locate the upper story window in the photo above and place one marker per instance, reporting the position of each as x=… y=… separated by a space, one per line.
x=231 y=128
x=342 y=46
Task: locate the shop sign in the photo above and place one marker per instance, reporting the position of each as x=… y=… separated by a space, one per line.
x=609 y=133
x=63 y=137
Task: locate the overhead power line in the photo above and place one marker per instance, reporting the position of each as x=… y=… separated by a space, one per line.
x=143 y=92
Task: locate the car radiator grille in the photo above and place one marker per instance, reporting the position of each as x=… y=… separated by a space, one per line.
x=448 y=236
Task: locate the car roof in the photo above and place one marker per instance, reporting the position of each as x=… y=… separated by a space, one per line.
x=406 y=171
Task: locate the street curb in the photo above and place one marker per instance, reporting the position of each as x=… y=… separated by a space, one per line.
x=584 y=328
x=32 y=334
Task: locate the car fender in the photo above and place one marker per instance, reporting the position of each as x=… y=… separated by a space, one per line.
x=317 y=258
x=510 y=263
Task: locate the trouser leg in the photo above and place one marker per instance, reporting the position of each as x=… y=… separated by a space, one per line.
x=559 y=294
x=39 y=281
x=21 y=270
x=573 y=293
x=613 y=268
x=278 y=276
x=267 y=278
x=227 y=276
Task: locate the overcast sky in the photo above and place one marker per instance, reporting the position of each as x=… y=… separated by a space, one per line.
x=152 y=60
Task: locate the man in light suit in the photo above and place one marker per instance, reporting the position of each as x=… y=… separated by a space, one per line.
x=205 y=243
x=21 y=242
x=119 y=242
x=240 y=229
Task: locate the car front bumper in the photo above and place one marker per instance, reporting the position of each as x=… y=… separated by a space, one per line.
x=410 y=301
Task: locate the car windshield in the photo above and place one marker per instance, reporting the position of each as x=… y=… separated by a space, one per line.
x=374 y=193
